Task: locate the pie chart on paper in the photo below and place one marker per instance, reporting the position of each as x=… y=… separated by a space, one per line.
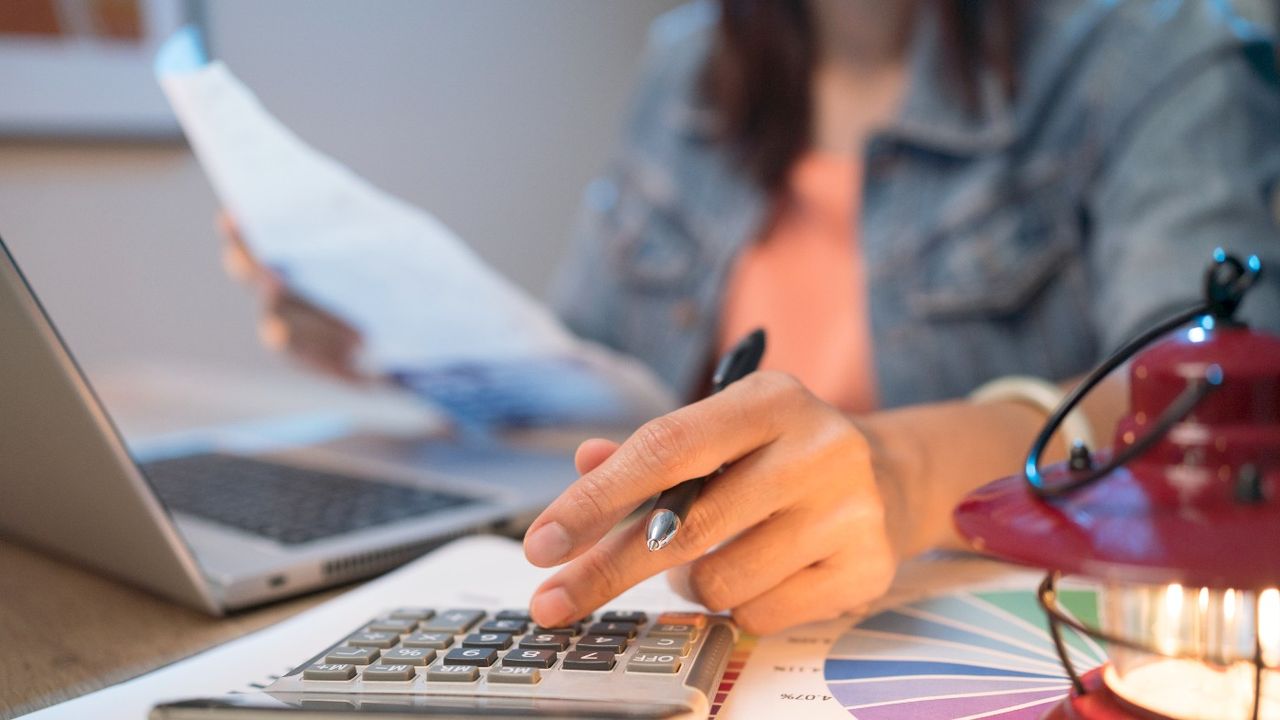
x=961 y=656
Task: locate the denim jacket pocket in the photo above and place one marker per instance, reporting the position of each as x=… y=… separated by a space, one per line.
x=649 y=241
x=996 y=263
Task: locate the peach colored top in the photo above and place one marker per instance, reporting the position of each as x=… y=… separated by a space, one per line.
x=804 y=282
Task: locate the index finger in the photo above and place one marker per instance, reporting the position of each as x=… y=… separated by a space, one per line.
x=687 y=443
x=238 y=259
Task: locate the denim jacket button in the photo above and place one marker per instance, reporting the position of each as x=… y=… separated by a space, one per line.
x=685 y=314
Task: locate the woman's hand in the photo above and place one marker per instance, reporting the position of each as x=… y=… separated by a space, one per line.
x=793 y=531
x=289 y=323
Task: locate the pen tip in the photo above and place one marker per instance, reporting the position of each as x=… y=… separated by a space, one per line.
x=663 y=525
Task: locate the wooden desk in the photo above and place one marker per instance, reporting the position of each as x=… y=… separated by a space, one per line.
x=66 y=631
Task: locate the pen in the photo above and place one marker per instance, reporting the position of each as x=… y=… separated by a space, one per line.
x=673 y=504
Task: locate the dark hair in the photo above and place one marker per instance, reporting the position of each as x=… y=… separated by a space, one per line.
x=757 y=79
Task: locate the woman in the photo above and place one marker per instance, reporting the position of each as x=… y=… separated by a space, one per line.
x=914 y=198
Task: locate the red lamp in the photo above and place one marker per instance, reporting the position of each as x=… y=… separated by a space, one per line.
x=1178 y=523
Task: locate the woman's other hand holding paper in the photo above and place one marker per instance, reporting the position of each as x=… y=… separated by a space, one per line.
x=290 y=323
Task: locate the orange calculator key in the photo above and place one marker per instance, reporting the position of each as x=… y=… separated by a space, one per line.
x=697 y=620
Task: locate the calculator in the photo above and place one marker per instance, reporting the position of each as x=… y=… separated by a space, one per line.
x=469 y=663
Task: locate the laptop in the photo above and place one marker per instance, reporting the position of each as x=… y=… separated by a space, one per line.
x=221 y=531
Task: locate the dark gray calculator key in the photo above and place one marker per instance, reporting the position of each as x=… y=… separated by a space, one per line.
x=516 y=675
x=522 y=615
x=529 y=658
x=374 y=639
x=452 y=673
x=599 y=660
x=574 y=629
x=353 y=655
x=498 y=641
x=545 y=641
x=621 y=629
x=452 y=621
x=672 y=630
x=515 y=627
x=665 y=663
x=678 y=645
x=631 y=616
x=437 y=640
x=409 y=656
x=480 y=657
x=395 y=625
x=329 y=671
x=382 y=671
x=612 y=643
x=412 y=613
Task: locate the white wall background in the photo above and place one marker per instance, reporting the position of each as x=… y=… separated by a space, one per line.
x=491 y=113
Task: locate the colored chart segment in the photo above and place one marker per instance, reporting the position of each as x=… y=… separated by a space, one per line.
x=966 y=655
x=737 y=661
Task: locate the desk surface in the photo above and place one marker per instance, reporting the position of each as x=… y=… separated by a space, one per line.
x=66 y=631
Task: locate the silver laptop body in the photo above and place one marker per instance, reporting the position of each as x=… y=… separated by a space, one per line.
x=69 y=485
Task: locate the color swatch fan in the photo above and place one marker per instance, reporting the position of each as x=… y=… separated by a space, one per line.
x=967 y=655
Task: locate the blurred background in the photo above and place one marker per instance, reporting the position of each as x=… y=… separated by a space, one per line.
x=492 y=114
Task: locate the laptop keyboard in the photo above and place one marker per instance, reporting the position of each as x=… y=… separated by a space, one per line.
x=286 y=503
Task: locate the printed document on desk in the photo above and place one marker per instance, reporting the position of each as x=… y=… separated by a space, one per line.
x=432 y=315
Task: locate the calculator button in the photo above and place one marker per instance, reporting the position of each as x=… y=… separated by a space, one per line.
x=631 y=616
x=388 y=672
x=480 y=657
x=697 y=620
x=453 y=621
x=411 y=613
x=395 y=625
x=620 y=629
x=680 y=630
x=603 y=642
x=529 y=658
x=409 y=656
x=517 y=675
x=438 y=640
x=353 y=655
x=452 y=673
x=521 y=615
x=498 y=641
x=677 y=645
x=667 y=663
x=588 y=660
x=373 y=639
x=515 y=627
x=574 y=629
x=545 y=641
x=329 y=671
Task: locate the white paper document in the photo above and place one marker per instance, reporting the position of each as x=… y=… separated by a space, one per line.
x=432 y=315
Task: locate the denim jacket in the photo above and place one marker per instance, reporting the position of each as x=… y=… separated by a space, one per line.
x=1030 y=237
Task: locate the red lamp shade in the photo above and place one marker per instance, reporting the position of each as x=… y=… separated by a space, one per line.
x=1200 y=506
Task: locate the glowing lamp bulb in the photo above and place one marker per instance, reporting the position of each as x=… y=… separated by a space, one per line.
x=1204 y=667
